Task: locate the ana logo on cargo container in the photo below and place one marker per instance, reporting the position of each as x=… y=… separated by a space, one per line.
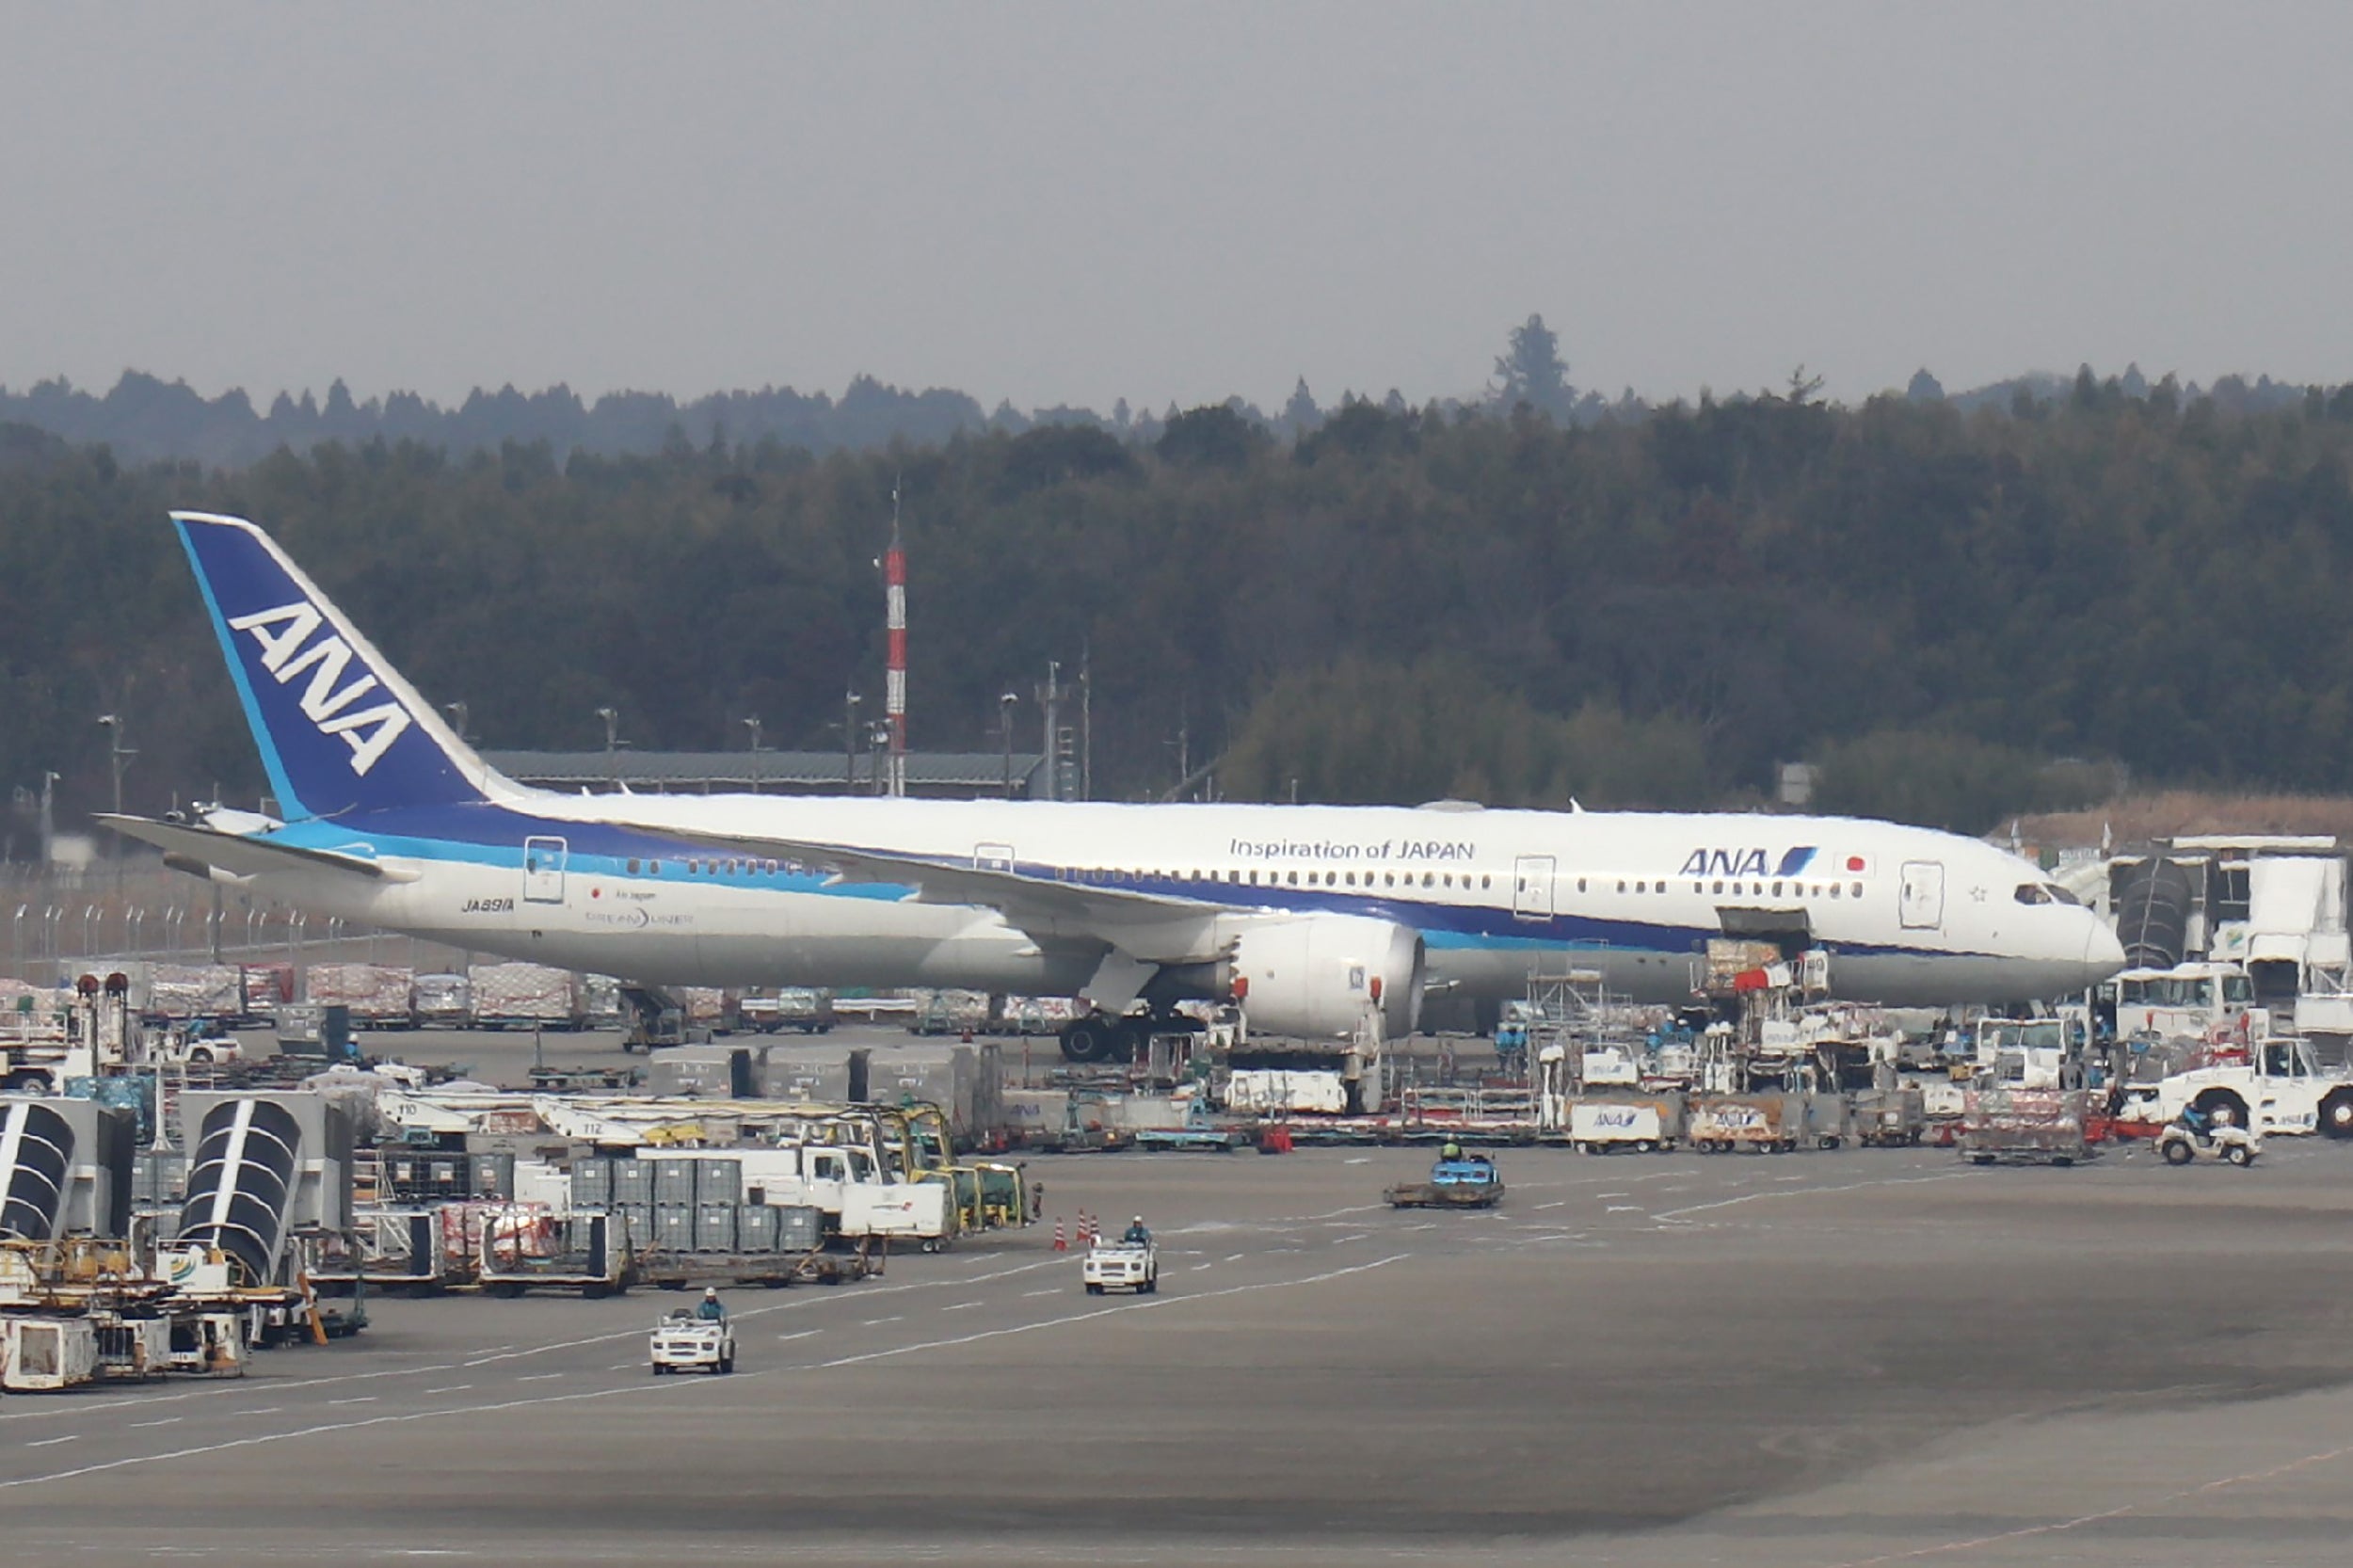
x=280 y=634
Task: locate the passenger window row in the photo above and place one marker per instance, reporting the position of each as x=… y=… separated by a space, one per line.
x=1284 y=879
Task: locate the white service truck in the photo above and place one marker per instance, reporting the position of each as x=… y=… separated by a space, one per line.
x=2279 y=1088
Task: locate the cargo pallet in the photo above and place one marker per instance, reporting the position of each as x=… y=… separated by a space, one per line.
x=678 y=1270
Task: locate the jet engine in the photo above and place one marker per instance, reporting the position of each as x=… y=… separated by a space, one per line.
x=1316 y=976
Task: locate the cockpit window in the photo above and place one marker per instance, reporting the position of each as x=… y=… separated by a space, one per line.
x=2033 y=892
x=2060 y=895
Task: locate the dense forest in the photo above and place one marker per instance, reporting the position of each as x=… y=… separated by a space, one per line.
x=1956 y=612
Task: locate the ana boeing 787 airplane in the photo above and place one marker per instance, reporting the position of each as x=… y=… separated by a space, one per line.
x=1318 y=916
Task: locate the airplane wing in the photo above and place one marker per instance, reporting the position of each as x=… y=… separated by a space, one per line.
x=1151 y=928
x=204 y=849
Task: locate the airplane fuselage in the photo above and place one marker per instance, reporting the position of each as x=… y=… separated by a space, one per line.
x=625 y=885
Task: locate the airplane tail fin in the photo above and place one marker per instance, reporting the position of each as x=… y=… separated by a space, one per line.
x=339 y=729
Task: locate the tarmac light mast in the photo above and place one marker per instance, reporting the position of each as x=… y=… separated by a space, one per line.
x=895 y=620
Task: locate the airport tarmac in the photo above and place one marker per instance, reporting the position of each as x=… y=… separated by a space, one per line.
x=1842 y=1358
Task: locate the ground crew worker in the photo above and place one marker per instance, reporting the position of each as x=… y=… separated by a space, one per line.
x=1136 y=1235
x=1450 y=1150
x=713 y=1310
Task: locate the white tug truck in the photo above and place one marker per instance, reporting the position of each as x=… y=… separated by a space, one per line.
x=685 y=1342
x=2279 y=1088
x=1122 y=1266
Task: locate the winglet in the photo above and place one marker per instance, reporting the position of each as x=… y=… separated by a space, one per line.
x=338 y=727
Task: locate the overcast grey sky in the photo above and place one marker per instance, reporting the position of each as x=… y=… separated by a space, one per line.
x=1076 y=202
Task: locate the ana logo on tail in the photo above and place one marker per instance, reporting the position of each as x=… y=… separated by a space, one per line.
x=280 y=634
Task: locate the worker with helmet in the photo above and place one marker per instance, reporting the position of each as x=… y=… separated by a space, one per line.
x=1136 y=1235
x=713 y=1310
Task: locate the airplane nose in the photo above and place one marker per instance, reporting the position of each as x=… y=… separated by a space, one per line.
x=2103 y=951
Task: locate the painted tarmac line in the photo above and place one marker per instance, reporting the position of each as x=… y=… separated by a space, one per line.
x=538 y=1377
x=1556 y=1203
x=53 y=1441
x=1803 y=1192
x=166 y=1421
x=2059 y=1526
x=878 y=1323
x=512 y=1352
x=960 y=1306
x=663 y=1386
x=801 y=1335
x=356 y=1398
x=452 y=1388
x=1155 y=1304
x=1049 y=1290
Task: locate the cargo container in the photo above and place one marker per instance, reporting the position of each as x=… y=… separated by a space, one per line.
x=756 y=1228
x=592 y=1183
x=177 y=993
x=525 y=995
x=443 y=1002
x=632 y=1183
x=43 y=1355
x=715 y=1228
x=2024 y=1127
x=674 y=1181
x=1755 y=1122
x=1599 y=1124
x=674 y=1227
x=1889 y=1118
x=377 y=995
x=492 y=1175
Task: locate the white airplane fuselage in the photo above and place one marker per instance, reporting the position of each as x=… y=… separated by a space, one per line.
x=1493 y=892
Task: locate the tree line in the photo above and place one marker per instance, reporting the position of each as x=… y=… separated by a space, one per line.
x=1955 y=613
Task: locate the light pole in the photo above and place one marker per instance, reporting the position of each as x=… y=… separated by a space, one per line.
x=1005 y=727
x=458 y=711
x=16 y=930
x=612 y=745
x=849 y=740
x=752 y=724
x=90 y=913
x=879 y=744
x=117 y=754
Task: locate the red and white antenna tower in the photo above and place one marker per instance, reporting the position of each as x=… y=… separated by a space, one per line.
x=895 y=677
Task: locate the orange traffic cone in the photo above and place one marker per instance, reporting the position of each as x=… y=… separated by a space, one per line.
x=1062 y=1243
